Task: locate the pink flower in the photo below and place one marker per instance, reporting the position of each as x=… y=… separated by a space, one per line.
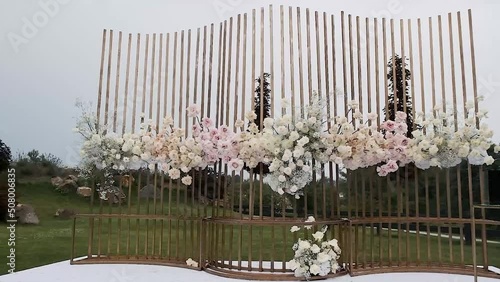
x=213 y=132
x=400 y=116
x=401 y=128
x=196 y=130
x=223 y=130
x=392 y=166
x=236 y=164
x=224 y=145
x=382 y=170
x=388 y=125
x=193 y=110
x=207 y=122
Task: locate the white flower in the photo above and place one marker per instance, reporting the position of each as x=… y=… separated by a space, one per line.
x=281 y=178
x=292 y=264
x=334 y=243
x=304 y=244
x=285 y=103
x=282 y=130
x=315 y=249
x=314 y=269
x=287 y=171
x=310 y=219
x=250 y=116
x=186 y=180
x=174 y=173
x=323 y=257
x=294 y=229
x=318 y=235
x=239 y=123
x=489 y=160
x=268 y=122
x=299 y=125
x=191 y=262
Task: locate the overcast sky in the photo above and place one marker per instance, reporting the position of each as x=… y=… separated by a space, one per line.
x=50 y=53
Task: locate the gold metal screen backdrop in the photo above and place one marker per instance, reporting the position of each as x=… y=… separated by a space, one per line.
x=234 y=226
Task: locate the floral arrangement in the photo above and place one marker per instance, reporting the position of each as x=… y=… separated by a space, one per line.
x=292 y=147
x=316 y=257
x=358 y=144
x=440 y=141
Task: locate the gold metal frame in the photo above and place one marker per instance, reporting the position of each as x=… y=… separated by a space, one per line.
x=384 y=225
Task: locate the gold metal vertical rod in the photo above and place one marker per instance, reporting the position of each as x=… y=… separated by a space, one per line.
x=433 y=82
x=196 y=68
x=203 y=73
x=152 y=80
x=271 y=62
x=301 y=76
x=229 y=59
x=108 y=78
x=282 y=53
x=210 y=59
x=188 y=84
x=165 y=87
x=101 y=73
x=292 y=68
x=360 y=75
x=117 y=82
x=441 y=62
x=262 y=56
x=412 y=90
x=127 y=76
x=145 y=78
x=464 y=98
x=236 y=75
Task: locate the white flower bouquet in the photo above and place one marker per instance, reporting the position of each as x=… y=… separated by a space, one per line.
x=315 y=257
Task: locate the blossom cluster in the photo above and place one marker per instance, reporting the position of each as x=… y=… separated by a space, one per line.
x=358 y=144
x=292 y=145
x=441 y=141
x=316 y=257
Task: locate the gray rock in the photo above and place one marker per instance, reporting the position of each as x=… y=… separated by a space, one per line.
x=84 y=191
x=148 y=191
x=26 y=214
x=72 y=177
x=67 y=186
x=65 y=213
x=113 y=194
x=56 y=181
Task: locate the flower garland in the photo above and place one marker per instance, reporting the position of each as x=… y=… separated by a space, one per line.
x=292 y=147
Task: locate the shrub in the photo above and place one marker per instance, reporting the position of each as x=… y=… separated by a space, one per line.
x=35 y=164
x=5 y=156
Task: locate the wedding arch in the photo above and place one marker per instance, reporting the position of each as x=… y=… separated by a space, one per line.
x=232 y=223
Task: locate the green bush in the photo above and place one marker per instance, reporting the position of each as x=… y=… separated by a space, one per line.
x=35 y=164
x=5 y=156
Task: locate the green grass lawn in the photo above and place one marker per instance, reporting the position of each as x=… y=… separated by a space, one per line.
x=50 y=241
